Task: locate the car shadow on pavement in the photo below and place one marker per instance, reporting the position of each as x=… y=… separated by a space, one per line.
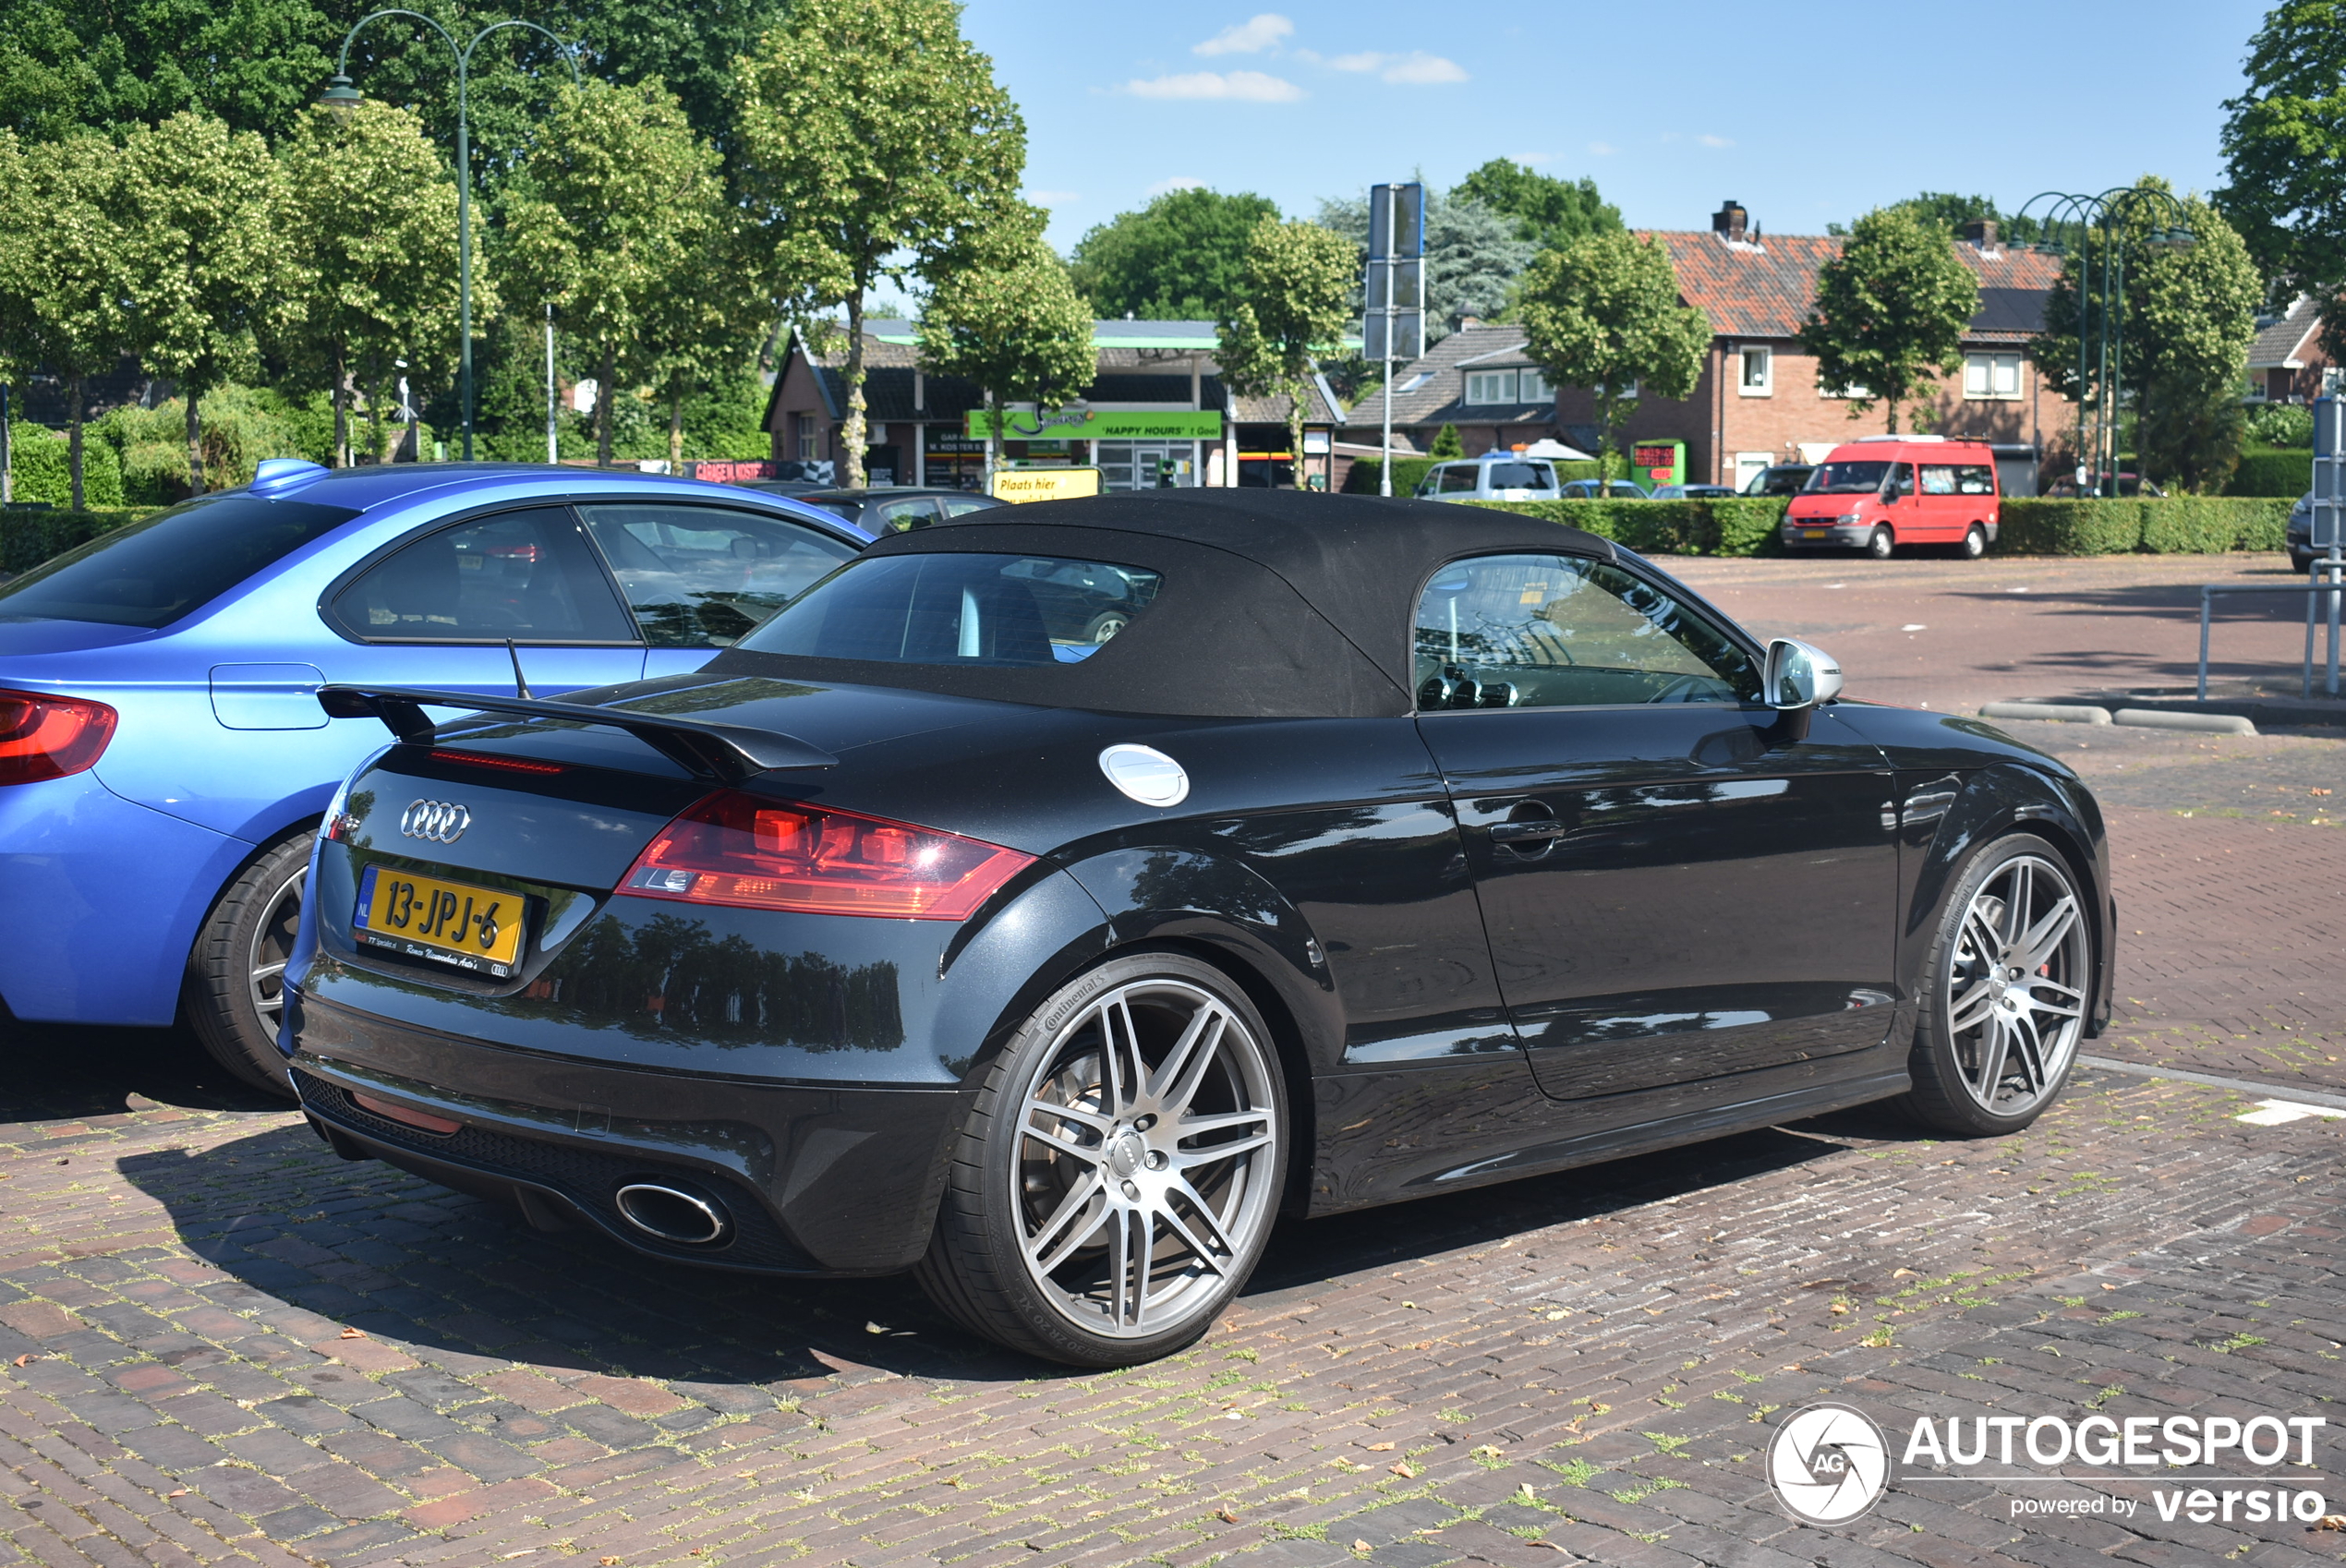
x=463 y=1283
x=69 y=1071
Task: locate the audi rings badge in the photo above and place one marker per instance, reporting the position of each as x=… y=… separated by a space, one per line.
x=441 y=822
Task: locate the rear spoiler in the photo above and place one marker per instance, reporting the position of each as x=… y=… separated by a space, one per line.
x=727 y=753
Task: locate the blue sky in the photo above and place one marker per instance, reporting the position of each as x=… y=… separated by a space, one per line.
x=1805 y=111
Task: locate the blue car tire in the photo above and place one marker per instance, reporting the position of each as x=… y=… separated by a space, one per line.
x=233 y=995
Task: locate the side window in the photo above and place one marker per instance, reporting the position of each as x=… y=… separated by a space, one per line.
x=1542 y=631
x=897 y=516
x=1975 y=480
x=1902 y=478
x=701 y=576
x=1938 y=480
x=956 y=506
x=525 y=575
x=1458 y=477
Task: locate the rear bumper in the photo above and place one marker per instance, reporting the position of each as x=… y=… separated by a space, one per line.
x=817 y=1178
x=100 y=899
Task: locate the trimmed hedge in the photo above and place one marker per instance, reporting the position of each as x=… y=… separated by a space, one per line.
x=2272 y=471
x=2172 y=525
x=39 y=469
x=28 y=538
x=1736 y=525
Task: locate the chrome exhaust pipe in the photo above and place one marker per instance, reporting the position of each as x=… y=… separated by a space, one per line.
x=674 y=1214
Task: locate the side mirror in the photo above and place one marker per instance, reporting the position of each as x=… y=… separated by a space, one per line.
x=1800 y=676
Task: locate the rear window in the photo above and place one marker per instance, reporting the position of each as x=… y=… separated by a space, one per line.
x=1520 y=477
x=960 y=610
x=154 y=573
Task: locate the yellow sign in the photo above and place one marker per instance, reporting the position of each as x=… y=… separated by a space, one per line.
x=1045 y=484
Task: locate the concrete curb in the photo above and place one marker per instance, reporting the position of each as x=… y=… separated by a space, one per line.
x=2206 y=723
x=2057 y=713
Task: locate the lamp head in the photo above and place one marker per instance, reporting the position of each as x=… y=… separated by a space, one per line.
x=340 y=97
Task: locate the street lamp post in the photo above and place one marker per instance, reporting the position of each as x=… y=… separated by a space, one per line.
x=341 y=97
x=2107 y=213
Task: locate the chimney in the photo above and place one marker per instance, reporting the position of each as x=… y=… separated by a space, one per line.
x=1981 y=234
x=1728 y=222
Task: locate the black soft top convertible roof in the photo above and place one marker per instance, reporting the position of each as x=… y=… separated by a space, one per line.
x=1275 y=604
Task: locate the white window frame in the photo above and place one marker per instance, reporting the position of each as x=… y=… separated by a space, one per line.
x=1749 y=466
x=1528 y=379
x=1980 y=373
x=1766 y=385
x=1855 y=388
x=1503 y=382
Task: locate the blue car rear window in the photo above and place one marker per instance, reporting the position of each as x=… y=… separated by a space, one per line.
x=153 y=573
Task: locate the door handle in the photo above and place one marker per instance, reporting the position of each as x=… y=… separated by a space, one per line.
x=1536 y=827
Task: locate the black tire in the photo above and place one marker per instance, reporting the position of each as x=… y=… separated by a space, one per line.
x=1105 y=625
x=2016 y=886
x=1974 y=542
x=1880 y=543
x=228 y=992
x=1082 y=1206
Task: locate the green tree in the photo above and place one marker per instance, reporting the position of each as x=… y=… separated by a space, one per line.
x=206 y=254
x=1447 y=443
x=67 y=267
x=373 y=214
x=253 y=64
x=1602 y=313
x=1295 y=301
x=1547 y=211
x=873 y=138
x=1015 y=327
x=1890 y=312
x=2187 y=320
x=18 y=354
x=595 y=226
x=2284 y=144
x=694 y=337
x=1180 y=259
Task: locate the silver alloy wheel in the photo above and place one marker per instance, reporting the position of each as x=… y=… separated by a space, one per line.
x=1974 y=542
x=273 y=940
x=2016 y=986
x=1143 y=1161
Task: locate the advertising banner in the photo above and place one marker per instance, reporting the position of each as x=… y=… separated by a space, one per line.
x=1097 y=425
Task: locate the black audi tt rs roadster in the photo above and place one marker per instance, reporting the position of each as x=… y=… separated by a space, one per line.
x=1379 y=848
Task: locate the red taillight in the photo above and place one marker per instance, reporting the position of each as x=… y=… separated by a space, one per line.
x=46 y=736
x=482 y=759
x=735 y=849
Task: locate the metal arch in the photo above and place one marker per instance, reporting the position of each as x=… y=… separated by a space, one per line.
x=2086 y=212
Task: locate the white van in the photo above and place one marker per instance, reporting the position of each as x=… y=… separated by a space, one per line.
x=1496 y=475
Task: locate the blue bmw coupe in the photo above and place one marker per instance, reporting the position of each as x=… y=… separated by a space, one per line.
x=162 y=756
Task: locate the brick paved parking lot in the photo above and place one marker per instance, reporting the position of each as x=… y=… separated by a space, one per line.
x=218 y=1343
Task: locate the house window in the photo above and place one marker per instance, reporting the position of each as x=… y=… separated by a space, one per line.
x=1535 y=388
x=1490 y=386
x=1855 y=388
x=1991 y=376
x=1628 y=394
x=805 y=437
x=1757 y=377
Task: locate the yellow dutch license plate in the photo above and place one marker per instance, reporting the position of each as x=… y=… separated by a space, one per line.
x=450 y=923
x=1812 y=533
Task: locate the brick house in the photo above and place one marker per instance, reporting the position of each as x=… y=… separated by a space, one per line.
x=1757 y=402
x=1478 y=379
x=2287 y=363
x=918 y=422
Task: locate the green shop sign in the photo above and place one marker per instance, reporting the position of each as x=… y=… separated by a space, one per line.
x=1096 y=425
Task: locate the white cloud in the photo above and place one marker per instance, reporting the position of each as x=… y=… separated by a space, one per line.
x=1714 y=142
x=1177 y=182
x=1249 y=87
x=1417 y=69
x=1249 y=37
x=1603 y=148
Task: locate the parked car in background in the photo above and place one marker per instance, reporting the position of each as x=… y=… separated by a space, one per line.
x=1496 y=475
x=1693 y=492
x=891 y=508
x=1784 y=479
x=1586 y=489
x=1474 y=849
x=2299 y=538
x=2065 y=488
x=162 y=756
x=1879 y=492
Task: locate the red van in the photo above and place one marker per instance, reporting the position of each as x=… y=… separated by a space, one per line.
x=1879 y=492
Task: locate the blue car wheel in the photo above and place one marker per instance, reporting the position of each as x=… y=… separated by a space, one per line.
x=235 y=995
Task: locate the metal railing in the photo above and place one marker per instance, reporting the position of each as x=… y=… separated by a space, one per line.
x=2334 y=590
